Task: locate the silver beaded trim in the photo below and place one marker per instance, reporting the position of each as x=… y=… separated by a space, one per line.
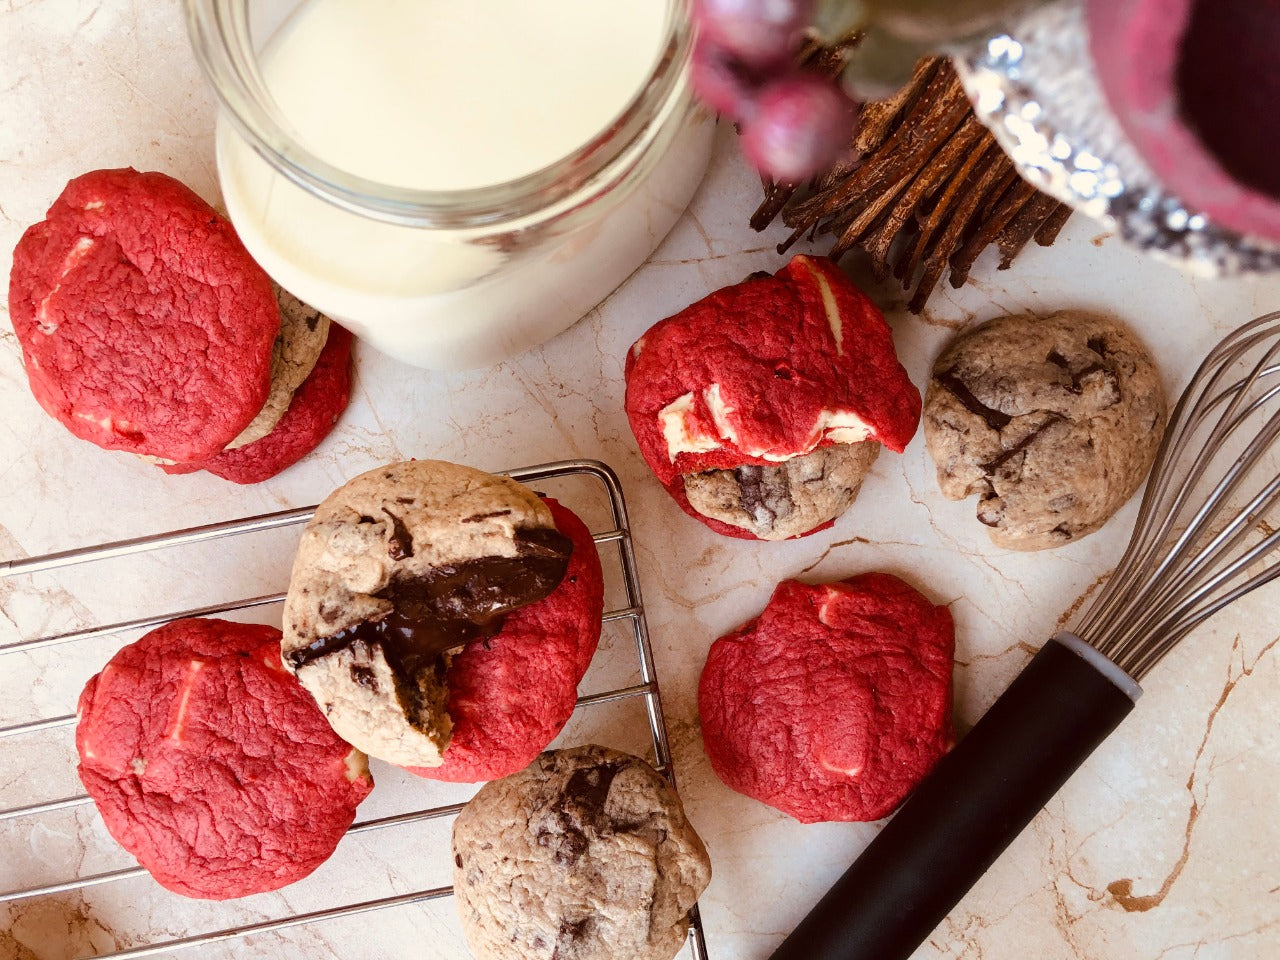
x=1035 y=87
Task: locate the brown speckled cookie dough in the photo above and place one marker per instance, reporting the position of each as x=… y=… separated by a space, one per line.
x=1052 y=422
x=303 y=332
x=397 y=568
x=786 y=500
x=585 y=855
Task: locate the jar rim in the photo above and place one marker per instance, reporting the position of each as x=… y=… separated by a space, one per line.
x=220 y=36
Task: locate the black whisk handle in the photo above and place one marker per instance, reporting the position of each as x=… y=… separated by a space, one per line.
x=968 y=810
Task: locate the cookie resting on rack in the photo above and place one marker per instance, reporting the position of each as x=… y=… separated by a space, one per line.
x=1053 y=422
x=833 y=703
x=511 y=694
x=585 y=855
x=414 y=565
x=211 y=765
x=762 y=407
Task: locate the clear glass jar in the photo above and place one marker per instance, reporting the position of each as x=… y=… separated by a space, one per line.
x=450 y=279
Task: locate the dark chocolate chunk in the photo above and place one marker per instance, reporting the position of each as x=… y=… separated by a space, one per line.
x=400 y=543
x=449 y=607
x=990 y=509
x=570 y=820
x=763 y=492
x=582 y=802
x=1078 y=376
x=950 y=382
x=1058 y=360
x=477 y=517
x=572 y=845
x=994 y=464
x=457 y=859
x=570 y=932
x=364 y=676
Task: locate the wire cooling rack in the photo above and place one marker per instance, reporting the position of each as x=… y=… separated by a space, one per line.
x=632 y=611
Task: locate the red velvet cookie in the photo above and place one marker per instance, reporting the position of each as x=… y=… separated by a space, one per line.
x=509 y=696
x=211 y=765
x=145 y=325
x=835 y=702
x=762 y=373
x=314 y=410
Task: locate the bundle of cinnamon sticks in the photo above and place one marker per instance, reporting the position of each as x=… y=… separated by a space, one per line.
x=925 y=189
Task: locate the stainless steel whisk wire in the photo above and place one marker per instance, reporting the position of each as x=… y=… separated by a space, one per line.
x=1185 y=550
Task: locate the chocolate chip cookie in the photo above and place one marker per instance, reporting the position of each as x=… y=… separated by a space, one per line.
x=1053 y=422
x=397 y=569
x=777 y=502
x=584 y=855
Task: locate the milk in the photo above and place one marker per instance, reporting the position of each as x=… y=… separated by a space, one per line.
x=453 y=95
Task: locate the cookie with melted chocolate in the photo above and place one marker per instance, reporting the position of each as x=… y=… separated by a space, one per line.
x=398 y=569
x=585 y=855
x=512 y=693
x=1053 y=422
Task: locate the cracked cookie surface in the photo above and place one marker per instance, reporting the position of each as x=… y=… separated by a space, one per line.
x=1053 y=422
x=585 y=855
x=872 y=644
x=211 y=765
x=759 y=374
x=144 y=323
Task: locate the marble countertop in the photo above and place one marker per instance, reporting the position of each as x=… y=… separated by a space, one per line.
x=1166 y=845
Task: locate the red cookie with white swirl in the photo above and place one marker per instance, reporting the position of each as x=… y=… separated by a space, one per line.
x=145 y=325
x=761 y=407
x=211 y=764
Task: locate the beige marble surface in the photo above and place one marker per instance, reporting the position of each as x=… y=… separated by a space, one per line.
x=1166 y=846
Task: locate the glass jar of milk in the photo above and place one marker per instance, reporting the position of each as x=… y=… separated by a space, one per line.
x=454 y=180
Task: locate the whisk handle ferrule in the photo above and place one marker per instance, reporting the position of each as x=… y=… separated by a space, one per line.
x=968 y=810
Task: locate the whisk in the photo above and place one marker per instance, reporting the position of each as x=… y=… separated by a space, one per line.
x=1201 y=541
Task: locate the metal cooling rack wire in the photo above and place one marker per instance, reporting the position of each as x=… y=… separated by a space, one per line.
x=633 y=612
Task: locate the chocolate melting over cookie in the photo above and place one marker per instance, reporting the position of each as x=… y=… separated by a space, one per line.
x=450 y=605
